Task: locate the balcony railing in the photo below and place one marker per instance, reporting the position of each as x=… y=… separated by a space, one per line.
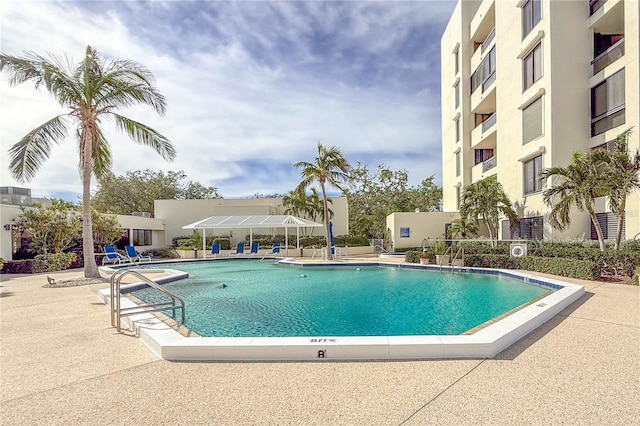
x=489 y=164
x=609 y=56
x=487 y=41
x=489 y=122
x=488 y=81
x=594 y=5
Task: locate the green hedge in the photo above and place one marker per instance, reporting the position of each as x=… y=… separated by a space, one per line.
x=565 y=267
x=41 y=263
x=412 y=256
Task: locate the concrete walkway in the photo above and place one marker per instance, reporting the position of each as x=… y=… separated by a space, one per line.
x=61 y=363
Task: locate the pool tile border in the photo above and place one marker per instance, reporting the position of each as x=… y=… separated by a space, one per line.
x=487 y=342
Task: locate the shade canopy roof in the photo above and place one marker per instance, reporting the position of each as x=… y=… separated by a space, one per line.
x=259 y=221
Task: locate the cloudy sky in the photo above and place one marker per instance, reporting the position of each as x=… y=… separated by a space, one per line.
x=251 y=86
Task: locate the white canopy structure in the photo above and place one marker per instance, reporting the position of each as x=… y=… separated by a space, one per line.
x=251 y=223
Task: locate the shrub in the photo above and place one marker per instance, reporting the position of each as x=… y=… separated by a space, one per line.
x=352 y=241
x=498 y=261
x=565 y=267
x=412 y=256
x=428 y=254
x=53 y=262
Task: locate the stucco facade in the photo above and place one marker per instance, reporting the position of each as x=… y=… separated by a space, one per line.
x=524 y=85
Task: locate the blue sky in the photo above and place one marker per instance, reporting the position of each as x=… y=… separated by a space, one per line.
x=251 y=86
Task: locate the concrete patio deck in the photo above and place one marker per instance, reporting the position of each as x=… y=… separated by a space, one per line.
x=61 y=363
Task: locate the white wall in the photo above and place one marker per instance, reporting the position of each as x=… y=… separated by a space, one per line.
x=421 y=225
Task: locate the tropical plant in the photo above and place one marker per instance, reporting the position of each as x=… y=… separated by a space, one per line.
x=53 y=228
x=578 y=184
x=623 y=175
x=330 y=168
x=463 y=227
x=487 y=200
x=92 y=91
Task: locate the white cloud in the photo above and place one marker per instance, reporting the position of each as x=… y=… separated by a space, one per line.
x=249 y=86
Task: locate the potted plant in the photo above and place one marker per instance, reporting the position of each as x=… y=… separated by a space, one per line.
x=427 y=256
x=440 y=248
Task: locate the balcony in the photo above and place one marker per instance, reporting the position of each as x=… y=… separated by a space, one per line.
x=483 y=136
x=480 y=170
x=483 y=21
x=594 y=5
x=609 y=56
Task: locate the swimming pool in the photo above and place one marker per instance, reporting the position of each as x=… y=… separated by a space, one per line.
x=485 y=342
x=263 y=299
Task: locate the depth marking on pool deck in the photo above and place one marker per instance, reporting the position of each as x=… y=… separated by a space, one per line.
x=487 y=342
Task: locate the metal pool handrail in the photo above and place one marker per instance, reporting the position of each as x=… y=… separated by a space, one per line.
x=117 y=312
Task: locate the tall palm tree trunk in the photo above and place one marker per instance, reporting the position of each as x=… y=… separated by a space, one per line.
x=326 y=219
x=596 y=225
x=621 y=214
x=90 y=266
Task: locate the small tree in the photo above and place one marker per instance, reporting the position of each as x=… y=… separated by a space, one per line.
x=578 y=184
x=52 y=228
x=106 y=228
x=486 y=199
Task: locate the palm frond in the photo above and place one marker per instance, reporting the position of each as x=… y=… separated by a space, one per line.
x=28 y=155
x=146 y=136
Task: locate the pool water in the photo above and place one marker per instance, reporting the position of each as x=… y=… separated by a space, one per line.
x=249 y=298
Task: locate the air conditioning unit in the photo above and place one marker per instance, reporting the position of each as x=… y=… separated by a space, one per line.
x=518 y=249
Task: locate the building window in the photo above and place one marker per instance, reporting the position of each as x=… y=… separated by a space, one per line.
x=458 y=191
x=532 y=66
x=457 y=124
x=532 y=122
x=482 y=155
x=457 y=95
x=142 y=237
x=532 y=170
x=485 y=74
x=530 y=228
x=457 y=163
x=456 y=62
x=531 y=15
x=609 y=225
x=608 y=104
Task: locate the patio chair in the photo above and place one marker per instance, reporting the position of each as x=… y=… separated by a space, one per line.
x=215 y=250
x=134 y=256
x=239 y=250
x=254 y=249
x=112 y=257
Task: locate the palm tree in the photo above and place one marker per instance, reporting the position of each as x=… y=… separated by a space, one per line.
x=464 y=227
x=329 y=168
x=92 y=91
x=578 y=184
x=623 y=173
x=486 y=199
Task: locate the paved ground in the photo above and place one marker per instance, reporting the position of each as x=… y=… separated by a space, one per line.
x=61 y=363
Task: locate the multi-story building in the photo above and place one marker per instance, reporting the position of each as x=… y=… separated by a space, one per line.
x=524 y=85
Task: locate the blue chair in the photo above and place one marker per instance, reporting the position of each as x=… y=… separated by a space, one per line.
x=254 y=249
x=239 y=250
x=134 y=256
x=215 y=250
x=112 y=257
x=274 y=250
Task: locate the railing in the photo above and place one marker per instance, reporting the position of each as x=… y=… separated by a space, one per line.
x=609 y=56
x=490 y=163
x=594 y=5
x=460 y=253
x=117 y=312
x=488 y=81
x=445 y=256
x=489 y=122
x=487 y=41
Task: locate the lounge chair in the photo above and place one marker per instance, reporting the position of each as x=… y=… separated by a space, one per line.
x=134 y=256
x=112 y=257
x=215 y=250
x=254 y=249
x=274 y=250
x=239 y=250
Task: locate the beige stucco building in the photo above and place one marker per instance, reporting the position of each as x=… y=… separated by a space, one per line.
x=170 y=216
x=524 y=85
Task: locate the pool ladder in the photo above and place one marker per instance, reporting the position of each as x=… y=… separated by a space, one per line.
x=459 y=255
x=117 y=312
